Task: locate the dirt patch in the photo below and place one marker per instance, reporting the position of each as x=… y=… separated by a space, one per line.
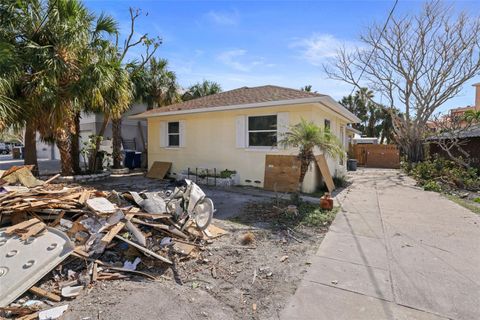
x=227 y=281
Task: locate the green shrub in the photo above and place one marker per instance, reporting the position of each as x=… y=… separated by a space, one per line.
x=439 y=173
x=432 y=186
x=340 y=181
x=477 y=200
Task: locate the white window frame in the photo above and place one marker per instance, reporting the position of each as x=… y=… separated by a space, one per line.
x=173 y=134
x=248 y=132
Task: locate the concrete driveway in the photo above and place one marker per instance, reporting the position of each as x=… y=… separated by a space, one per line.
x=393 y=252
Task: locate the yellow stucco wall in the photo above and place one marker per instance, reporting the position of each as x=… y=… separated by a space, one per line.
x=210 y=142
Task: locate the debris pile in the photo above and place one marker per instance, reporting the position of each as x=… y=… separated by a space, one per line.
x=57 y=240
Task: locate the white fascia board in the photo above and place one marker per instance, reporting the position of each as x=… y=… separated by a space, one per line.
x=336 y=107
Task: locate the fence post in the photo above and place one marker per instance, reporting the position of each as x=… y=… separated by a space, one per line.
x=215 y=177
x=196 y=175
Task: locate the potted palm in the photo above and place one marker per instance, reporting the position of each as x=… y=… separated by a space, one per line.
x=306 y=136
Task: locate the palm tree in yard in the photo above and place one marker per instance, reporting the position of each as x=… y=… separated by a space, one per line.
x=156 y=85
x=54 y=42
x=201 y=89
x=307 y=136
x=111 y=92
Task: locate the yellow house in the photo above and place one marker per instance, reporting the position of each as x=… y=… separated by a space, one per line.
x=236 y=129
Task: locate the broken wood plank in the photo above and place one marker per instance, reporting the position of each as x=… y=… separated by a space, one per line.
x=108 y=237
x=95 y=272
x=45 y=294
x=144 y=250
x=21 y=225
x=52 y=178
x=162 y=227
x=85 y=195
x=33 y=230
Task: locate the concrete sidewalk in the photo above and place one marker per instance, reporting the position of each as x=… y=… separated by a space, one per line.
x=393 y=252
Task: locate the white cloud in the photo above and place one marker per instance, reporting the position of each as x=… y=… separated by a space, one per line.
x=238 y=60
x=320 y=47
x=223 y=18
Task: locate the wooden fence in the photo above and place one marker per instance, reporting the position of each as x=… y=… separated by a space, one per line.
x=377 y=155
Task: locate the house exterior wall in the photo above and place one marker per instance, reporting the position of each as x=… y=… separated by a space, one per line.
x=210 y=142
x=92 y=123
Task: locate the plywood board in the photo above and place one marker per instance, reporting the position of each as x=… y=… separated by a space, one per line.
x=327 y=177
x=281 y=173
x=159 y=169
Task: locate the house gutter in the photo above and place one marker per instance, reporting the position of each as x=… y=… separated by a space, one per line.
x=326 y=101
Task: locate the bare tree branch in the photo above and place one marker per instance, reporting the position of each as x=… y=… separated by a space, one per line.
x=417 y=64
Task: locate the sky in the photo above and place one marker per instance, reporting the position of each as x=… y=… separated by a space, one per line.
x=252 y=43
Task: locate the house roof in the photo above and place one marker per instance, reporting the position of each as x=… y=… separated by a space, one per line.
x=248 y=97
x=244 y=95
x=472 y=132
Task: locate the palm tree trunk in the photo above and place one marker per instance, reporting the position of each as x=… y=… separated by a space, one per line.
x=64 y=146
x=75 y=144
x=117 y=143
x=303 y=172
x=30 y=155
x=93 y=166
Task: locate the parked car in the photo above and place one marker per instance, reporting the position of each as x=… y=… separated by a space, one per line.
x=4 y=149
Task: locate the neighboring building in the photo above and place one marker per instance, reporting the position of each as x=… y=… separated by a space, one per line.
x=134 y=133
x=236 y=129
x=470 y=136
x=476 y=107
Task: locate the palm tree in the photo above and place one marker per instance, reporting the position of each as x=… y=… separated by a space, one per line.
x=307 y=136
x=110 y=90
x=156 y=85
x=307 y=88
x=201 y=89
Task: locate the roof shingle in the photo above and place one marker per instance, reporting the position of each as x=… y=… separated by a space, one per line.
x=244 y=95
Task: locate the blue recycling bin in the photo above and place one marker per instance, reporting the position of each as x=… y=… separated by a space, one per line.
x=137 y=160
x=129 y=157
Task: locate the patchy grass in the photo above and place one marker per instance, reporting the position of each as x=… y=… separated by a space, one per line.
x=470 y=205
x=311 y=215
x=278 y=215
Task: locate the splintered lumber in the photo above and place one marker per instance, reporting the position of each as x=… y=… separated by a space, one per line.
x=52 y=178
x=144 y=250
x=214 y=232
x=85 y=195
x=45 y=294
x=21 y=226
x=107 y=238
x=162 y=227
x=33 y=230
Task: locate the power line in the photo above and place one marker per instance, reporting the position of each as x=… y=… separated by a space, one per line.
x=376 y=42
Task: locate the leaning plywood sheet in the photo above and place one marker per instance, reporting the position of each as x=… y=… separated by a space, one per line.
x=281 y=173
x=327 y=177
x=159 y=169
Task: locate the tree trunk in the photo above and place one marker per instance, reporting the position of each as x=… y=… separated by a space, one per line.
x=64 y=146
x=305 y=160
x=75 y=144
x=93 y=158
x=30 y=155
x=413 y=150
x=117 y=143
